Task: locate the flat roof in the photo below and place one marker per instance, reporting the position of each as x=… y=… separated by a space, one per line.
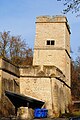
x=19 y=100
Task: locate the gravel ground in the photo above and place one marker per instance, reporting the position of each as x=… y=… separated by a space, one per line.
x=9 y=118
x=53 y=119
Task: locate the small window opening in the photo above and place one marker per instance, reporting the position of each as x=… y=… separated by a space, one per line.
x=52 y=42
x=48 y=42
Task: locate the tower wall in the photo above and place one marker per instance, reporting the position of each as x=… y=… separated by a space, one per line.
x=52 y=48
x=52 y=43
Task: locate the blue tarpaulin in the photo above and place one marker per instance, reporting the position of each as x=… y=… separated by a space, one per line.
x=40 y=113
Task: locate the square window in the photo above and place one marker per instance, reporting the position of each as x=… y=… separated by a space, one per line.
x=48 y=42
x=52 y=42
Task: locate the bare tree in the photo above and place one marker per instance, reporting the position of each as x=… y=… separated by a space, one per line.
x=4 y=44
x=15 y=49
x=20 y=53
x=71 y=5
x=75 y=79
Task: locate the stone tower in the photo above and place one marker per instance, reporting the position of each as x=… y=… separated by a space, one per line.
x=52 y=43
x=48 y=79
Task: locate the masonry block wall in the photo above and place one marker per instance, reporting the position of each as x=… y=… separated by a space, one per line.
x=56 y=31
x=42 y=83
x=9 y=80
x=48 y=79
x=52 y=44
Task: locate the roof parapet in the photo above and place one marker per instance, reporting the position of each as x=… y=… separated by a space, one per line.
x=53 y=19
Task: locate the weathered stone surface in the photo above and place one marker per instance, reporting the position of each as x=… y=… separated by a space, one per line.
x=25 y=114
x=8 y=81
x=55 y=29
x=48 y=79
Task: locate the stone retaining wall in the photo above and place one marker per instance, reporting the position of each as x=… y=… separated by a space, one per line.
x=9 y=80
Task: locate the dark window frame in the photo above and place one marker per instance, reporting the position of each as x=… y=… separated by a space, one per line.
x=50 y=42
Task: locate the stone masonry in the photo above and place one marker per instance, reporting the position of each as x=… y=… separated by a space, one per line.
x=48 y=79
x=9 y=80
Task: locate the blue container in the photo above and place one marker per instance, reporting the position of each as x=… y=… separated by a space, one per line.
x=40 y=113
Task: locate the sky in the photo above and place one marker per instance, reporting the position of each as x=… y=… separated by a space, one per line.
x=19 y=16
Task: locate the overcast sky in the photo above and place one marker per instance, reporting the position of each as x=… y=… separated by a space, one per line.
x=19 y=16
